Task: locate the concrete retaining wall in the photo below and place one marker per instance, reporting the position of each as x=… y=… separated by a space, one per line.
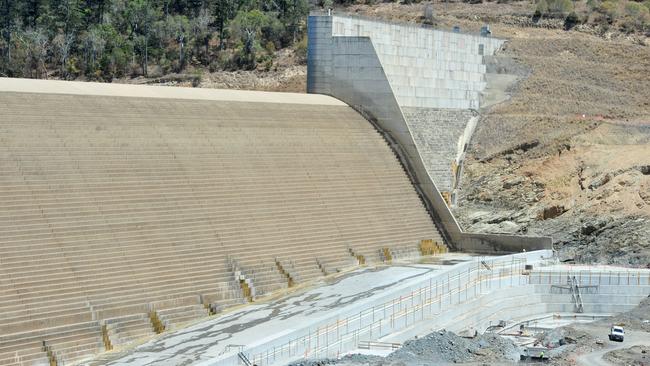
x=469 y=295
x=374 y=318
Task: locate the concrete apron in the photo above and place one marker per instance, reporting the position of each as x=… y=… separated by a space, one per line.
x=467 y=296
x=398 y=308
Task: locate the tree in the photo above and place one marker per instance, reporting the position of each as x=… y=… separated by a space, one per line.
x=68 y=16
x=8 y=12
x=36 y=43
x=30 y=11
x=62 y=43
x=246 y=28
x=178 y=27
x=202 y=31
x=224 y=11
x=111 y=38
x=141 y=15
x=93 y=43
x=291 y=13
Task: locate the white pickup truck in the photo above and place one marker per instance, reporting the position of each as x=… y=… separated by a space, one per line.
x=616 y=333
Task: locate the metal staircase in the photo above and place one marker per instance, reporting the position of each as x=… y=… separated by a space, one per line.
x=244 y=359
x=572 y=281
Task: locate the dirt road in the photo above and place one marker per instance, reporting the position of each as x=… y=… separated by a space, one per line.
x=632 y=338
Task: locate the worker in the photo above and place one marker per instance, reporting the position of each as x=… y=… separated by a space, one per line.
x=541 y=355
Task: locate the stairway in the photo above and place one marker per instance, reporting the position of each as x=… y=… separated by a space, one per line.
x=572 y=281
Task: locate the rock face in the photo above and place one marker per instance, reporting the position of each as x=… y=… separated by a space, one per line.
x=605 y=224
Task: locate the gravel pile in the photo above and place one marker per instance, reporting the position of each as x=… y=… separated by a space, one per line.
x=501 y=348
x=436 y=348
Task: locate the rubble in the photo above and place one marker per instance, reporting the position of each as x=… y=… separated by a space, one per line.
x=440 y=347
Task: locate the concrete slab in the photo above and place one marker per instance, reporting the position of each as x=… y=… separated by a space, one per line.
x=259 y=323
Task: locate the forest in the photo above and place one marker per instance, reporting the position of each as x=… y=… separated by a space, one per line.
x=106 y=39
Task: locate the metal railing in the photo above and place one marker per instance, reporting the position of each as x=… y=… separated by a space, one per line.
x=441 y=293
x=379 y=345
x=591 y=277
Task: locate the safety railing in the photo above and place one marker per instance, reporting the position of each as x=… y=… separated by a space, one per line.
x=591 y=277
x=441 y=293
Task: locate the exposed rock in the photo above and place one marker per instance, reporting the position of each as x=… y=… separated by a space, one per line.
x=600 y=181
x=590 y=228
x=551 y=212
x=512 y=182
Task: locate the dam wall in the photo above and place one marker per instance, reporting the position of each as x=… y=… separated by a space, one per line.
x=435 y=76
x=140 y=208
x=420 y=88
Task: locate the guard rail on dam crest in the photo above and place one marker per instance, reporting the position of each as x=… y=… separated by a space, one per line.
x=474 y=294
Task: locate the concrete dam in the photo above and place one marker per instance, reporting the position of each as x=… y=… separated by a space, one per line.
x=196 y=226
x=421 y=88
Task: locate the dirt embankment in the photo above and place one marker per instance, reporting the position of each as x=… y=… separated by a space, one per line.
x=633 y=356
x=568 y=155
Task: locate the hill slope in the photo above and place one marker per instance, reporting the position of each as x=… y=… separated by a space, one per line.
x=568 y=155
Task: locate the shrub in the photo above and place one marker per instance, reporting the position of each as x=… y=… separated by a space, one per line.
x=552 y=7
x=560 y=6
x=301 y=50
x=637 y=17
x=571 y=20
x=542 y=7
x=593 y=5
x=610 y=10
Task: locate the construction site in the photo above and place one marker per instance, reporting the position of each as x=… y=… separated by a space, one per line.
x=153 y=225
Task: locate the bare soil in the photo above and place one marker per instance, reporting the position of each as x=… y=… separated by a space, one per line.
x=633 y=356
